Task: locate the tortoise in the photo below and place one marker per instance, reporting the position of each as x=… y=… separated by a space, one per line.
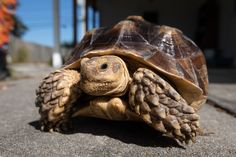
x=134 y=70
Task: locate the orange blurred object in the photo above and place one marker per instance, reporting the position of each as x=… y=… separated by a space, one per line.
x=7 y=10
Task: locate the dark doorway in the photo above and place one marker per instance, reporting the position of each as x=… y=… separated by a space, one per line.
x=151 y=16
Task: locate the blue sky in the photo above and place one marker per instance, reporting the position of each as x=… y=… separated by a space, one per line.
x=38 y=16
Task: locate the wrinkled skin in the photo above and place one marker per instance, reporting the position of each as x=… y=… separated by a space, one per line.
x=102 y=87
x=102 y=76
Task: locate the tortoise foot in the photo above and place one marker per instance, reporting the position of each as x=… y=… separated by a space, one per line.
x=55 y=98
x=160 y=106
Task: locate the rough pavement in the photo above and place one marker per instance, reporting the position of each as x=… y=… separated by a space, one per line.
x=19 y=134
x=223 y=96
x=222 y=89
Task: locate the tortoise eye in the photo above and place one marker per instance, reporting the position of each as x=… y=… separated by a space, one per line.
x=104 y=66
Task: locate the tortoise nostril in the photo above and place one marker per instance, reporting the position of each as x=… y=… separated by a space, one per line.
x=104 y=66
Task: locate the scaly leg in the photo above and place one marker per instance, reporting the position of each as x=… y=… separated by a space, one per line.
x=55 y=98
x=160 y=106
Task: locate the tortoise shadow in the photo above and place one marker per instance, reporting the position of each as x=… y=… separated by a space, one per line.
x=128 y=132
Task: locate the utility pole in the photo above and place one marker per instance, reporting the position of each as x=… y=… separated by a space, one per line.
x=81 y=18
x=56 y=56
x=75 y=22
x=87 y=2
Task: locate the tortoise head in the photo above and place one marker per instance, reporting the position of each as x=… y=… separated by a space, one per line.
x=104 y=75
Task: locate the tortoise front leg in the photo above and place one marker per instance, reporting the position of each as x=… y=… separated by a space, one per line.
x=55 y=98
x=160 y=106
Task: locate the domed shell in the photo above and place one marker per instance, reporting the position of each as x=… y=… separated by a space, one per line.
x=162 y=48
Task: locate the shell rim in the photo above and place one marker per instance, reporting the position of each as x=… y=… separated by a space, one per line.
x=192 y=94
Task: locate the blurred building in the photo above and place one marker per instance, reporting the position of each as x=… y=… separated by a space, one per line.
x=210 y=23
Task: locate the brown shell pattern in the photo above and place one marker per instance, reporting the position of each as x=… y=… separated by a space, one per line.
x=164 y=47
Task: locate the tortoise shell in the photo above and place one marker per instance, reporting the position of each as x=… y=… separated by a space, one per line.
x=164 y=49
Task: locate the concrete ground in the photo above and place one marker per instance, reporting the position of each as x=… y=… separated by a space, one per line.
x=20 y=134
x=222 y=89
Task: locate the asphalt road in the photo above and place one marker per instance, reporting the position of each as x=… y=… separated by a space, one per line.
x=20 y=136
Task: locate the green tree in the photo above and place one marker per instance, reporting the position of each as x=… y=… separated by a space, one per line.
x=19 y=27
